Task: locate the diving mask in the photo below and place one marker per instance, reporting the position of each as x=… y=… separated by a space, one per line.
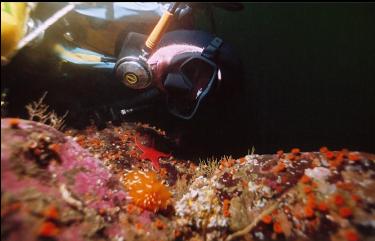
x=189 y=83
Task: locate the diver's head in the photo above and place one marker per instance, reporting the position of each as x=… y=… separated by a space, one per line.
x=188 y=66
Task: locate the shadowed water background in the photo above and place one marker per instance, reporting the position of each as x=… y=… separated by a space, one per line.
x=309 y=81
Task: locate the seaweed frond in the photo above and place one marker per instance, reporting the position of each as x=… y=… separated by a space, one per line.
x=268 y=209
x=38 y=111
x=207 y=167
x=252 y=152
x=239 y=209
x=181 y=187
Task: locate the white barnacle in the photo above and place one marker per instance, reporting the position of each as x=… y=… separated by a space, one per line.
x=259 y=235
x=319 y=173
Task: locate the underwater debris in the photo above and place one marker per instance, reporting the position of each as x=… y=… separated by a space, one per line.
x=146 y=191
x=38 y=111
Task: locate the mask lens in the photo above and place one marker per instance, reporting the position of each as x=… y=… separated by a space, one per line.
x=199 y=72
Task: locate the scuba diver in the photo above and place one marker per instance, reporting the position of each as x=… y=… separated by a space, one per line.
x=185 y=81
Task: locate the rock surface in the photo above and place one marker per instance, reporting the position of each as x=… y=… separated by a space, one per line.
x=71 y=186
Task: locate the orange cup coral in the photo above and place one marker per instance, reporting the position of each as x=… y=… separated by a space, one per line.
x=146 y=191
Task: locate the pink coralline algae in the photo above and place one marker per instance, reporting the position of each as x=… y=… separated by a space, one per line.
x=41 y=167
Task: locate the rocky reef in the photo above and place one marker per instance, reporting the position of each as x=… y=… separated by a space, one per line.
x=123 y=183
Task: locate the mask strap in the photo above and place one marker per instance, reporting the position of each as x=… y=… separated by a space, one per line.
x=211 y=50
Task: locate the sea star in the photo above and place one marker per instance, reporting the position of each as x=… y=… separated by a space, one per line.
x=150 y=153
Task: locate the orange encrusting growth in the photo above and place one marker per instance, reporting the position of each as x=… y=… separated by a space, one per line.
x=322 y=207
x=309 y=212
x=323 y=149
x=330 y=155
x=354 y=157
x=280 y=153
x=295 y=151
x=277 y=228
x=226 y=205
x=351 y=235
x=311 y=202
x=345 y=212
x=307 y=189
x=48 y=229
x=10 y=209
x=305 y=179
x=51 y=212
x=339 y=200
x=278 y=168
x=14 y=122
x=146 y=191
x=160 y=224
x=267 y=219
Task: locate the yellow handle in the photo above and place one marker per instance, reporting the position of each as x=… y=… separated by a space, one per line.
x=159 y=29
x=14 y=16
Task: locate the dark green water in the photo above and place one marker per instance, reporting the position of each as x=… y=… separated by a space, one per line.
x=310 y=72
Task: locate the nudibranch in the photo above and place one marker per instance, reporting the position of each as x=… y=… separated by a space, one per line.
x=147 y=191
